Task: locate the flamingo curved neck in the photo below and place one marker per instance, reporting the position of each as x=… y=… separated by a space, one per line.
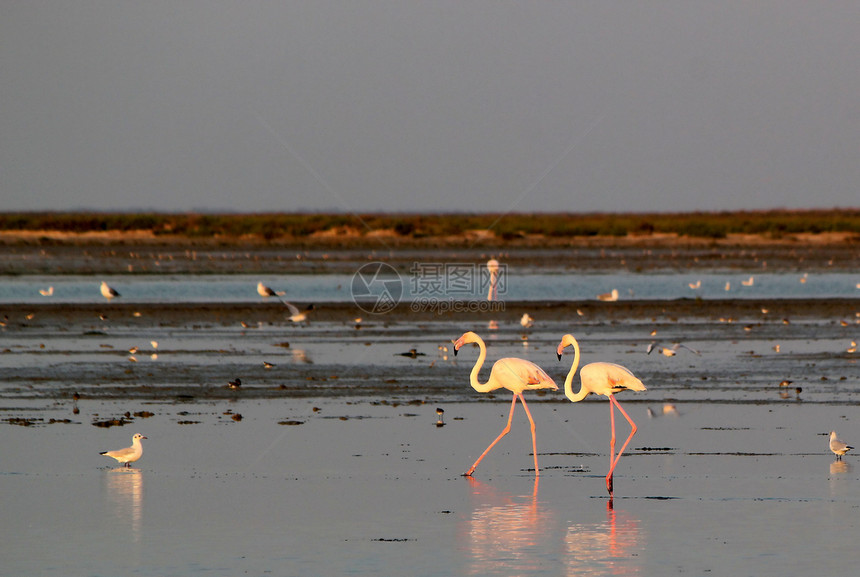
x=473 y=377
x=568 y=382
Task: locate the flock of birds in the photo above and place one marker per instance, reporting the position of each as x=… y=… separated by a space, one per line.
x=514 y=374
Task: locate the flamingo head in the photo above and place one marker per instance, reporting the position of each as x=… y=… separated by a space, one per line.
x=468 y=337
x=566 y=341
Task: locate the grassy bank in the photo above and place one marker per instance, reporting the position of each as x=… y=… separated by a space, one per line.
x=274 y=226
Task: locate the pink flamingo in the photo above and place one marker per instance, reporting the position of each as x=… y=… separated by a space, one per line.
x=601 y=379
x=516 y=375
x=493 y=269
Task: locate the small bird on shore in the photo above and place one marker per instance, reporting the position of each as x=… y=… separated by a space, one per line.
x=128 y=455
x=440 y=417
x=609 y=297
x=108 y=292
x=838 y=446
x=235 y=384
x=527 y=321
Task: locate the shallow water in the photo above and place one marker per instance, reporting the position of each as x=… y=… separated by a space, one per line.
x=337 y=464
x=522 y=285
x=360 y=488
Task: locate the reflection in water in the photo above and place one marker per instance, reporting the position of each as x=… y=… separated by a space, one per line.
x=125 y=493
x=610 y=548
x=300 y=356
x=841 y=485
x=505 y=534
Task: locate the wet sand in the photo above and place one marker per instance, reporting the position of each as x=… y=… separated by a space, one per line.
x=52 y=351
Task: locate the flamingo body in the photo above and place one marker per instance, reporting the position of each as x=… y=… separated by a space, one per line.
x=513 y=374
x=605 y=379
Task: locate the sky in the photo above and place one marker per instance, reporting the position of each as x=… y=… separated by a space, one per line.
x=429 y=106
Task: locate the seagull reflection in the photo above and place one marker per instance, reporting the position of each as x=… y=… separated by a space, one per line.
x=503 y=533
x=610 y=548
x=840 y=467
x=125 y=493
x=301 y=356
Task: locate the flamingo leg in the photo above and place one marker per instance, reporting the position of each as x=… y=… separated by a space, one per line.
x=611 y=447
x=504 y=432
x=612 y=401
x=534 y=436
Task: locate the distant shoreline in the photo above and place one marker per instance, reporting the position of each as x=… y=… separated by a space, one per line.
x=515 y=230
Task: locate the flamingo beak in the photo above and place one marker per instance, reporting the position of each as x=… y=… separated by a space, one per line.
x=558 y=355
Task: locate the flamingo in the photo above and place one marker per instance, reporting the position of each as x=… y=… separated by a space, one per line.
x=516 y=375
x=601 y=379
x=128 y=455
x=493 y=269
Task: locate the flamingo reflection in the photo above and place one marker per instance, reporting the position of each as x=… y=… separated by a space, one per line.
x=610 y=548
x=125 y=494
x=504 y=533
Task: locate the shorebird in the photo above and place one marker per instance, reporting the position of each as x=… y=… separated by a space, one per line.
x=838 y=446
x=129 y=454
x=671 y=352
x=296 y=315
x=235 y=384
x=749 y=282
x=46 y=292
x=527 y=321
x=265 y=291
x=609 y=297
x=108 y=292
x=513 y=374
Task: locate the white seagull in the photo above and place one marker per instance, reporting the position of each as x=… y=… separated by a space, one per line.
x=108 y=292
x=609 y=297
x=527 y=321
x=296 y=315
x=129 y=454
x=838 y=447
x=265 y=291
x=671 y=351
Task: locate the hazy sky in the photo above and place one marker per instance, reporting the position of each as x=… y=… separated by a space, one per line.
x=413 y=105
